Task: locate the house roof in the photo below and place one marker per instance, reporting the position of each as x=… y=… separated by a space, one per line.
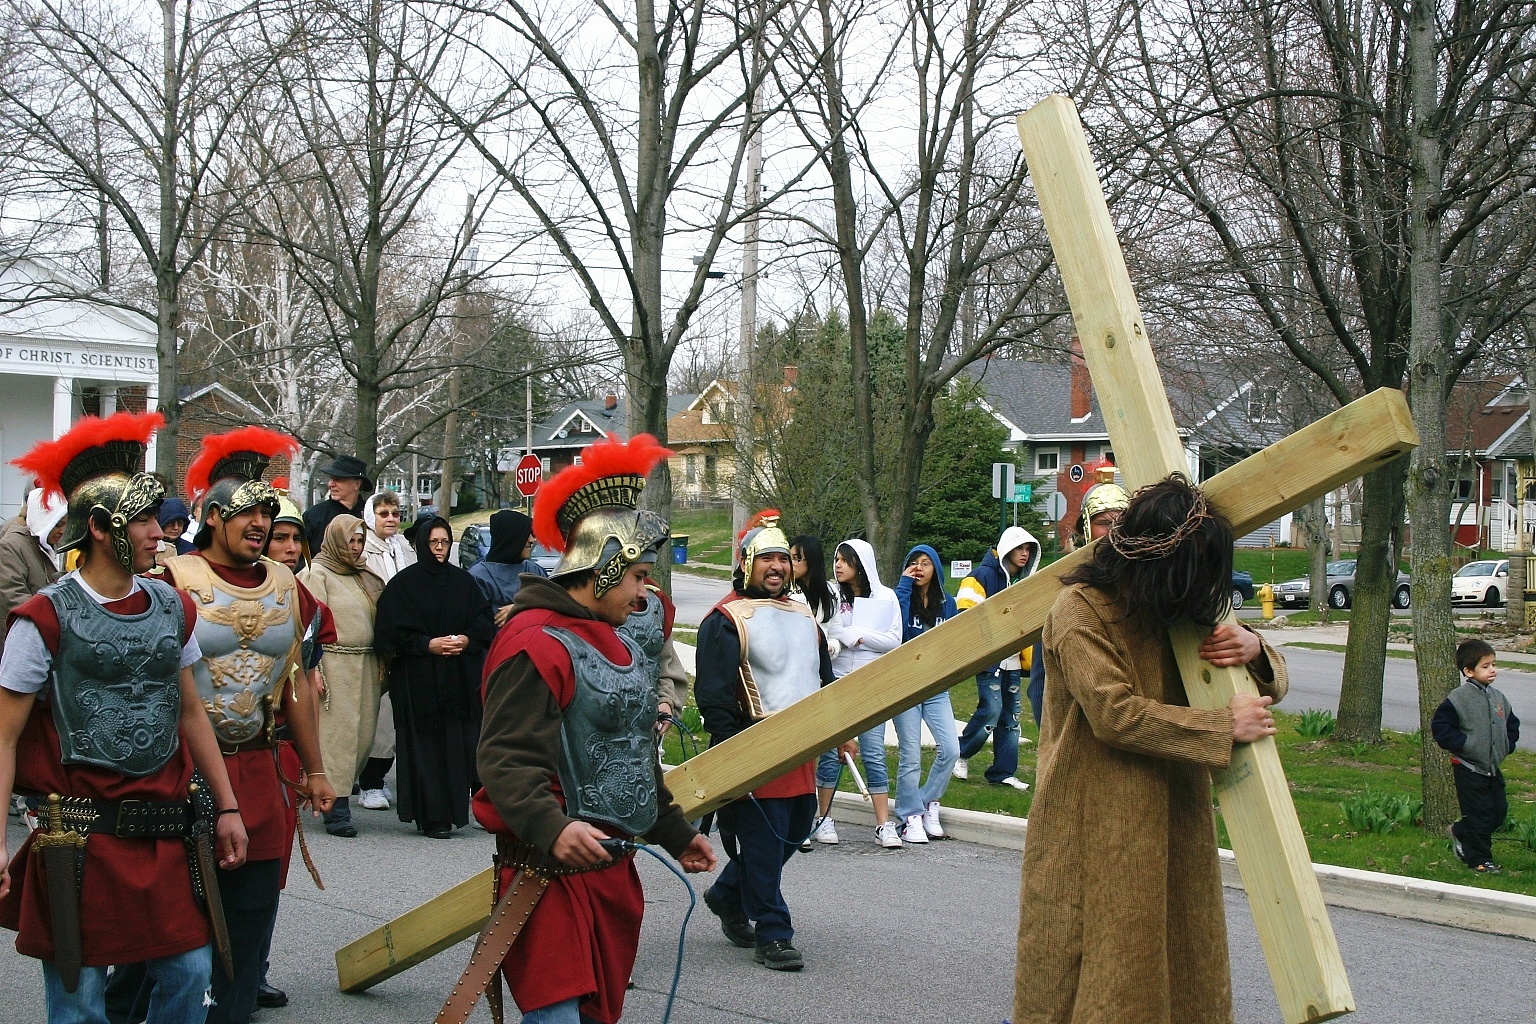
x=1489 y=418
x=599 y=421
x=688 y=426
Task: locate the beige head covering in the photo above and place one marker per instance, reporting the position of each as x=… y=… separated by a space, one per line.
x=336 y=554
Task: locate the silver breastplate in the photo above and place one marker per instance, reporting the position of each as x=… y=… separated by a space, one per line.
x=648 y=628
x=781 y=653
x=608 y=738
x=250 y=640
x=116 y=698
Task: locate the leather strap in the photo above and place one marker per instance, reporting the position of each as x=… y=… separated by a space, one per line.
x=507 y=920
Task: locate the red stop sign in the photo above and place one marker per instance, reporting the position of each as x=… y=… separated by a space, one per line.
x=530 y=474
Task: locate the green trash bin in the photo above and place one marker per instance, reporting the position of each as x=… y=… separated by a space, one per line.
x=679 y=549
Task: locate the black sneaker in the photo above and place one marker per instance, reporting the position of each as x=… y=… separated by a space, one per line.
x=269 y=997
x=1488 y=867
x=733 y=922
x=779 y=955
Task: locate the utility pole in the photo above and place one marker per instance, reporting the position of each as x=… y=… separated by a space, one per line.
x=746 y=445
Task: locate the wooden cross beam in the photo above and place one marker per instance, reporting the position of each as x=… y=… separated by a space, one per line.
x=1271 y=851
x=1282 y=477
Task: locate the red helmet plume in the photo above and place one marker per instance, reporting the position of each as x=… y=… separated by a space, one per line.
x=610 y=457
x=219 y=447
x=48 y=460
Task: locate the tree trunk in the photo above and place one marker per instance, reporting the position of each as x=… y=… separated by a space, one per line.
x=167 y=279
x=1365 y=657
x=1314 y=517
x=1429 y=478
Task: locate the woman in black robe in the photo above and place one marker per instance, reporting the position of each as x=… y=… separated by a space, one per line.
x=437 y=624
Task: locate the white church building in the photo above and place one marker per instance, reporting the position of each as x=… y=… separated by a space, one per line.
x=59 y=359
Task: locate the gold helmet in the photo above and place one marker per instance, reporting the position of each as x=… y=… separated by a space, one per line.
x=762 y=535
x=1105 y=496
x=98 y=467
x=591 y=513
x=227 y=474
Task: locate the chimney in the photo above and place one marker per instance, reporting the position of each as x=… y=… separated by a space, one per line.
x=610 y=402
x=1082 y=384
x=791 y=377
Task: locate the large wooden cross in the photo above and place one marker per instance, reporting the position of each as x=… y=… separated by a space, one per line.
x=1288 y=909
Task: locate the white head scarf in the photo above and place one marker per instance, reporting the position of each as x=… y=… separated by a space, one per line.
x=43 y=514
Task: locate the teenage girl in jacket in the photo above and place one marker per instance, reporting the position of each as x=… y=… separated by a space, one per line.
x=924 y=604
x=878 y=631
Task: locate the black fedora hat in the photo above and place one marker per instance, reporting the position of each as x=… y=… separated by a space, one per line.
x=348 y=467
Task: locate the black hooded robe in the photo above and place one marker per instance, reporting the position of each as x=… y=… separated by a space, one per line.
x=436 y=699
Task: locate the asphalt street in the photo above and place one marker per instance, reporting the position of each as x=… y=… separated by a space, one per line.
x=1317 y=675
x=921 y=934
x=695 y=596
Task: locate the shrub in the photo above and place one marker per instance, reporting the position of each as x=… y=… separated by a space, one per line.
x=1381 y=812
x=1315 y=723
x=1524 y=830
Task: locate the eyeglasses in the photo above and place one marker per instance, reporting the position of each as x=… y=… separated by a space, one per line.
x=438 y=542
x=386 y=513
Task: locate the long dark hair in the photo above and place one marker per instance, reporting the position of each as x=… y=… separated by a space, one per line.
x=1166 y=582
x=818 y=596
x=861 y=587
x=927 y=602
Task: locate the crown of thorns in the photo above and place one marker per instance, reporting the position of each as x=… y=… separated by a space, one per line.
x=1157 y=545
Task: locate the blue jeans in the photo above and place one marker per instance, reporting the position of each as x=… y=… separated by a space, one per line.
x=759 y=837
x=912 y=795
x=997 y=715
x=871 y=752
x=1036 y=689
x=565 y=1012
x=180 y=990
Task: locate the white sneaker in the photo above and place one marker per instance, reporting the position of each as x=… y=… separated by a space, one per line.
x=931 y=821
x=1015 y=783
x=826 y=832
x=913 y=831
x=374 y=800
x=886 y=836
x=961 y=769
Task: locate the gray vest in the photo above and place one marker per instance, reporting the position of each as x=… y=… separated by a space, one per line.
x=1484 y=714
x=608 y=738
x=780 y=653
x=117 y=680
x=250 y=641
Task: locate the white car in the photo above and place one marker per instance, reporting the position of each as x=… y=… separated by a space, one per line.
x=1485 y=582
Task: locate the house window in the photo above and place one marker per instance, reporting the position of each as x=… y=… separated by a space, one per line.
x=1496 y=485
x=709 y=471
x=1047 y=460
x=1465 y=485
x=1108 y=455
x=585 y=426
x=1264 y=405
x=691 y=469
x=708 y=414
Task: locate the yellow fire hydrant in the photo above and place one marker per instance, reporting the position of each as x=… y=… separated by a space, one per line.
x=1267 y=601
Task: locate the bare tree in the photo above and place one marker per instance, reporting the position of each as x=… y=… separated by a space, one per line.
x=130 y=113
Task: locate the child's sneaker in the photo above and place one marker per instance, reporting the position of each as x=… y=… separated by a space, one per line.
x=1488 y=867
x=1450 y=830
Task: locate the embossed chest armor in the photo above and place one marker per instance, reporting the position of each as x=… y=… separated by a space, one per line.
x=648 y=628
x=117 y=680
x=250 y=641
x=780 y=653
x=608 y=738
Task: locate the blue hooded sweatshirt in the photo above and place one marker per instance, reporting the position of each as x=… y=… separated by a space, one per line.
x=912 y=626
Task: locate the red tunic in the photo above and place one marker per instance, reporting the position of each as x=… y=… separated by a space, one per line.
x=582 y=939
x=253 y=773
x=136 y=899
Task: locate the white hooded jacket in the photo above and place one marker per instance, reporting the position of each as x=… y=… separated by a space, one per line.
x=880 y=628
x=384 y=557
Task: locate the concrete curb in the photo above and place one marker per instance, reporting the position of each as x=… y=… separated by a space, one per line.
x=1414 y=899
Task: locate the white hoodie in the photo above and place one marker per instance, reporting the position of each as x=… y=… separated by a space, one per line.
x=43 y=514
x=866 y=642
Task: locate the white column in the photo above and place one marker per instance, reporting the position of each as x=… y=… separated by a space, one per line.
x=63 y=404
x=108 y=400
x=151 y=400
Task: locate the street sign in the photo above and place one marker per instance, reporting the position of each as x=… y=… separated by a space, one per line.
x=1075 y=474
x=1023 y=494
x=530 y=474
x=1056 y=507
x=1003 y=482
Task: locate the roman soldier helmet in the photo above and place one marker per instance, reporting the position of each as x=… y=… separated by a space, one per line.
x=1104 y=496
x=762 y=535
x=98 y=468
x=227 y=474
x=591 y=512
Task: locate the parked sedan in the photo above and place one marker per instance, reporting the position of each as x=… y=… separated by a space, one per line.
x=1341 y=588
x=1485 y=582
x=1242 y=588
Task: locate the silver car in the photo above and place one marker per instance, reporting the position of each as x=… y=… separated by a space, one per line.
x=1341 y=588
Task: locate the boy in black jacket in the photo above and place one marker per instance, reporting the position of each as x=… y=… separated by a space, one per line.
x=1477 y=725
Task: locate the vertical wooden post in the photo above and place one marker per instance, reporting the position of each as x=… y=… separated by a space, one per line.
x=1287 y=905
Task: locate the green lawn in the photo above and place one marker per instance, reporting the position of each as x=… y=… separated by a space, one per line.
x=1322 y=776
x=708 y=531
